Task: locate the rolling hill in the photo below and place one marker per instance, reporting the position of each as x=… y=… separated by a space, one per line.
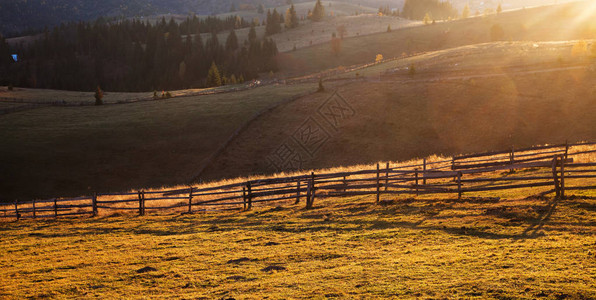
x=456 y=102
x=549 y=23
x=444 y=108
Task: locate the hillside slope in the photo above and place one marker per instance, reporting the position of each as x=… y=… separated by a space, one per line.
x=401 y=117
x=55 y=151
x=552 y=23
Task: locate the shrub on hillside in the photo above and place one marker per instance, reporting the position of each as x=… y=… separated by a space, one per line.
x=426 y=19
x=98 y=96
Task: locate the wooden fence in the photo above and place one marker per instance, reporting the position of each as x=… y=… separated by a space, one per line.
x=545 y=166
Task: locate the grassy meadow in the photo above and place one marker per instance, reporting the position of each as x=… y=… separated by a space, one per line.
x=29 y=95
x=515 y=247
x=550 y=23
x=54 y=151
x=401 y=118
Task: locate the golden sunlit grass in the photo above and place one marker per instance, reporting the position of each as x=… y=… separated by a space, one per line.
x=563 y=22
x=347 y=248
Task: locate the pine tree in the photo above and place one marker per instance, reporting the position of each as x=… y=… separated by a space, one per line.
x=232 y=41
x=260 y=8
x=291 y=20
x=252 y=33
x=465 y=12
x=213 y=77
x=426 y=19
x=268 y=25
x=273 y=23
x=318 y=12
x=276 y=17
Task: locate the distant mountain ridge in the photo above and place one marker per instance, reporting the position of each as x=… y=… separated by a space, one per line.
x=19 y=15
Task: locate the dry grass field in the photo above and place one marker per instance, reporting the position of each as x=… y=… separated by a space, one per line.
x=550 y=23
x=515 y=247
x=404 y=117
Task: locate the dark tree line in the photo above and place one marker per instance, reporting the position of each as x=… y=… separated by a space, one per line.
x=437 y=10
x=136 y=56
x=273 y=23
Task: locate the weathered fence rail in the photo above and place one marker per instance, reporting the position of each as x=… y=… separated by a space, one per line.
x=551 y=166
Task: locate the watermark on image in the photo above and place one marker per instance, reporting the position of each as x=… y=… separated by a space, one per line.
x=312 y=134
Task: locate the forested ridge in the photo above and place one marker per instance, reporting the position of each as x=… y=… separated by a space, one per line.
x=131 y=55
x=17 y=16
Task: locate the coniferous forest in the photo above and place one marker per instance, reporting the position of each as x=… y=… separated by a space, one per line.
x=132 y=55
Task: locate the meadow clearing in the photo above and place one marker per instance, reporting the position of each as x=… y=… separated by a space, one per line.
x=516 y=247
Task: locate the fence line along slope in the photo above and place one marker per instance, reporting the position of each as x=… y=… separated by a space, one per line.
x=560 y=170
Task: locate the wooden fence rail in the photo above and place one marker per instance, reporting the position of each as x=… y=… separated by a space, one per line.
x=553 y=166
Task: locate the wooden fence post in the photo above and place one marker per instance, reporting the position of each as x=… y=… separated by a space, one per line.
x=453 y=163
x=249 y=196
x=140 y=203
x=562 y=185
x=511 y=158
x=244 y=203
x=378 y=184
x=459 y=192
x=56 y=207
x=386 y=176
x=16 y=209
x=566 y=148
x=94 y=204
x=297 y=192
x=416 y=185
x=555 y=177
x=314 y=190
x=345 y=184
x=308 y=193
x=311 y=199
x=143 y=194
x=424 y=171
x=34 y=216
x=190 y=200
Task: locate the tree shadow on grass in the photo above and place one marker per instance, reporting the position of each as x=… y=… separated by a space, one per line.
x=544 y=217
